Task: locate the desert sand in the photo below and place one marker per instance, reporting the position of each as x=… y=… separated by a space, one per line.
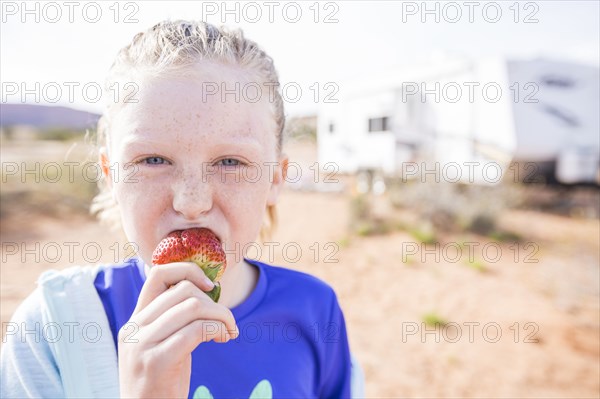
x=527 y=325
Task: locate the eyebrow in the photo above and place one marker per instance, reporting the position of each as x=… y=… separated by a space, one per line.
x=137 y=139
x=238 y=143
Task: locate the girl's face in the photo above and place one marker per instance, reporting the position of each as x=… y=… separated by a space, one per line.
x=184 y=156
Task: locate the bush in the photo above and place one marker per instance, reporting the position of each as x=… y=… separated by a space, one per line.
x=58 y=134
x=455 y=207
x=362 y=220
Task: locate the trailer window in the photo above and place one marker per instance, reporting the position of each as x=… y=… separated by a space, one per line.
x=558 y=81
x=378 y=124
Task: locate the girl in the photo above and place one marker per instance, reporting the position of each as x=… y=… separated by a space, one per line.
x=198 y=144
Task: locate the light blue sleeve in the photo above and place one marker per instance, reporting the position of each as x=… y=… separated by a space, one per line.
x=27 y=365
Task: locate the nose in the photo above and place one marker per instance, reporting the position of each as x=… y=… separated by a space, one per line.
x=192 y=196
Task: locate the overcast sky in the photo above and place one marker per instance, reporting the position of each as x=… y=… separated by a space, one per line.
x=310 y=42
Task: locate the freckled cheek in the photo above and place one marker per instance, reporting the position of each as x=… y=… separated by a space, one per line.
x=244 y=208
x=143 y=200
x=245 y=193
x=141 y=189
x=141 y=205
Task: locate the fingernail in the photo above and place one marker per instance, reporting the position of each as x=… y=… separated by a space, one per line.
x=209 y=282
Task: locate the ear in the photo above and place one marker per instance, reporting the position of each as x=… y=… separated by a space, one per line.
x=279 y=175
x=105 y=166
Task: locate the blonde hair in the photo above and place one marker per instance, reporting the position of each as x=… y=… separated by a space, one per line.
x=176 y=46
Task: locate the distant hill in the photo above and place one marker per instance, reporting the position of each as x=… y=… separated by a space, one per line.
x=46 y=117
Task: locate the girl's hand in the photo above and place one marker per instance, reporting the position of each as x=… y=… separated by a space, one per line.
x=169 y=323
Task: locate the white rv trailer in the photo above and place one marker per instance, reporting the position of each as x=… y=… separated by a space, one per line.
x=466 y=121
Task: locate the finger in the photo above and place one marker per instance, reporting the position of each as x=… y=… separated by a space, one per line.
x=185 y=340
x=161 y=277
x=175 y=294
x=184 y=313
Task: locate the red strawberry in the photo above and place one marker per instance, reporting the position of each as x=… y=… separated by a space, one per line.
x=196 y=245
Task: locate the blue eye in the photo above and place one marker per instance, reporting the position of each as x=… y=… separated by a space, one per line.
x=155 y=160
x=230 y=162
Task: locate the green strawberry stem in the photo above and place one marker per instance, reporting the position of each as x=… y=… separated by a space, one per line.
x=215 y=293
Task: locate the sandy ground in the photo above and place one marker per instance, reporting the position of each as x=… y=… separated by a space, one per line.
x=527 y=326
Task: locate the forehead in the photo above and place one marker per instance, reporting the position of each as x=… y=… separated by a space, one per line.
x=213 y=102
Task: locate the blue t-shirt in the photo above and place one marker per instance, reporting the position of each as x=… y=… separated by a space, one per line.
x=292 y=339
